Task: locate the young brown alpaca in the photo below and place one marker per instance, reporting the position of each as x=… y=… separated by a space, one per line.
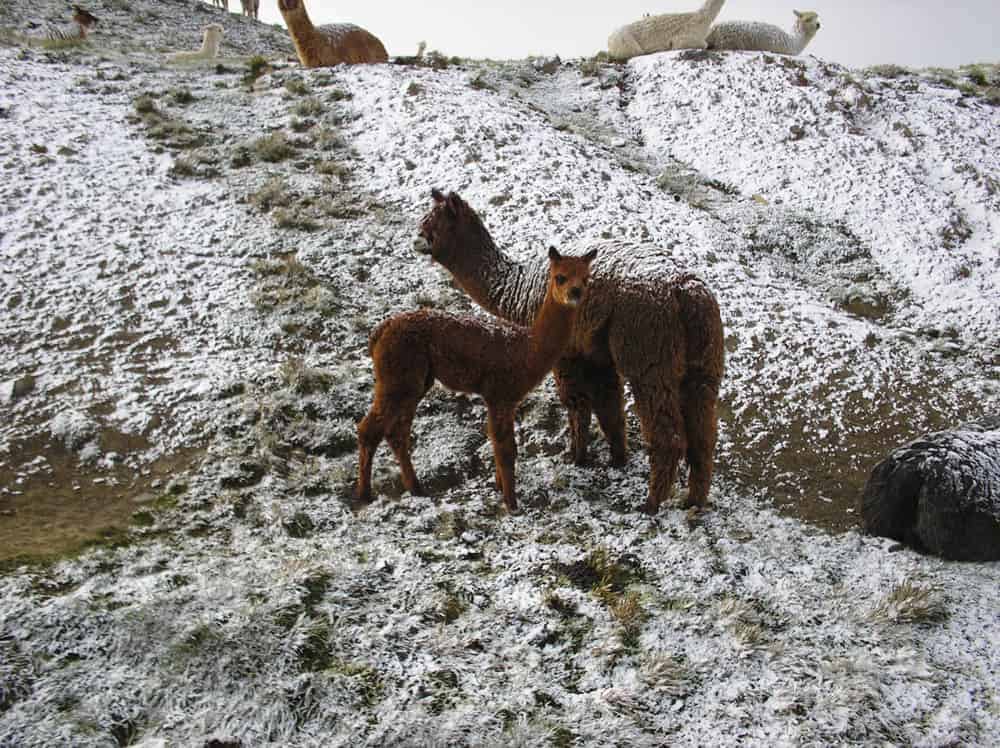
x=497 y=360
x=644 y=320
x=332 y=44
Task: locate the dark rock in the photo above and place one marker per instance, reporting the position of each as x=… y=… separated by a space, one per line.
x=940 y=493
x=22 y=386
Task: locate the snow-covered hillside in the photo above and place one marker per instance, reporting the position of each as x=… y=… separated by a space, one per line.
x=193 y=258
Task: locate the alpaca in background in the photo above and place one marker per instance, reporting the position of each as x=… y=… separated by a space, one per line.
x=497 y=360
x=224 y=4
x=331 y=44
x=84 y=21
x=664 y=32
x=251 y=8
x=644 y=320
x=209 y=46
x=754 y=36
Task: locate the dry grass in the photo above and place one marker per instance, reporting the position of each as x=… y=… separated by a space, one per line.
x=273 y=148
x=910 y=602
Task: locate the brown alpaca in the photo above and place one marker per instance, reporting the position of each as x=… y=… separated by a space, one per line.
x=328 y=45
x=663 y=333
x=497 y=360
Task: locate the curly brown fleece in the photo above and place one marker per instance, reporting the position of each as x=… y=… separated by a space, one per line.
x=643 y=320
x=500 y=361
x=331 y=44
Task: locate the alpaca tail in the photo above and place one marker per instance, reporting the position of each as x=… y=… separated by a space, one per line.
x=375 y=335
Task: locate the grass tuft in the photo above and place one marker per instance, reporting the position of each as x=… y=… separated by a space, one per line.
x=909 y=602
x=273 y=148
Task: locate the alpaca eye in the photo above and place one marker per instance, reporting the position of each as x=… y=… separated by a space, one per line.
x=560 y=279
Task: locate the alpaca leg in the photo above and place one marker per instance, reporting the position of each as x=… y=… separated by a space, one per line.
x=699 y=398
x=663 y=428
x=609 y=405
x=571 y=379
x=501 y=430
x=370 y=433
x=398 y=436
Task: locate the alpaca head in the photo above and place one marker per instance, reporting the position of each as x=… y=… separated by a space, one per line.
x=84 y=18
x=451 y=227
x=290 y=6
x=213 y=33
x=569 y=277
x=807 y=22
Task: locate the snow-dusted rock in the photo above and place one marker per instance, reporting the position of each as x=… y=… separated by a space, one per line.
x=941 y=493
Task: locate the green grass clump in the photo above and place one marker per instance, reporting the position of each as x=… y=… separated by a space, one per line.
x=145 y=104
x=181 y=96
x=59 y=44
x=293 y=218
x=304 y=379
x=273 y=148
x=275 y=193
x=256 y=67
x=296 y=86
x=309 y=107
x=184 y=167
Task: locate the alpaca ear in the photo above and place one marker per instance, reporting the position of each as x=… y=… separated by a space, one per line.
x=437 y=195
x=589 y=257
x=554 y=255
x=454 y=202
x=798 y=13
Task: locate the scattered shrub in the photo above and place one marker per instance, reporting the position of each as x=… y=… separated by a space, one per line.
x=256 y=67
x=181 y=96
x=292 y=218
x=310 y=107
x=296 y=86
x=274 y=193
x=273 y=148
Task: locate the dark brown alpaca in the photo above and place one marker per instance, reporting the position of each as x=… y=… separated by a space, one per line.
x=500 y=361
x=643 y=320
x=331 y=44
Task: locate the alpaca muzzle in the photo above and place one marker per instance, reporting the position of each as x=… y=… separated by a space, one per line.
x=421 y=246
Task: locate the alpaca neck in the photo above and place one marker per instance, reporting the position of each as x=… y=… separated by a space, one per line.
x=711 y=9
x=496 y=282
x=299 y=25
x=801 y=36
x=549 y=335
x=210 y=44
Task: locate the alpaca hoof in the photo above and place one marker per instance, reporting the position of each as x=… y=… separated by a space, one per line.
x=363 y=497
x=699 y=504
x=651 y=508
x=618 y=462
x=512 y=508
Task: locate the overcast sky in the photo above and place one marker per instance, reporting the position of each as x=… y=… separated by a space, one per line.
x=856 y=33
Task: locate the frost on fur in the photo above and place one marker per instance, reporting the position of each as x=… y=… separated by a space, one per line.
x=755 y=36
x=664 y=32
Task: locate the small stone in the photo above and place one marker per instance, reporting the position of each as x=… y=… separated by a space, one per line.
x=20 y=387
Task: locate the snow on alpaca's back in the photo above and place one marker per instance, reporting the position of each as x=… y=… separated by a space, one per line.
x=755 y=36
x=664 y=32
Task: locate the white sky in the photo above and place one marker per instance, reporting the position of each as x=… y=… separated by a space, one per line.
x=855 y=33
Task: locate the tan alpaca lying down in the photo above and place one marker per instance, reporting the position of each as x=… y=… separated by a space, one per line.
x=664 y=32
x=209 y=46
x=331 y=44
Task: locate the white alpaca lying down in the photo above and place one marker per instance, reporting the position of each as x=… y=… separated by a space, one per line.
x=209 y=46
x=667 y=31
x=763 y=37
